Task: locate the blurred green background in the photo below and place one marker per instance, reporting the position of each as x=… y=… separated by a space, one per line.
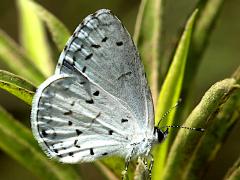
x=220 y=60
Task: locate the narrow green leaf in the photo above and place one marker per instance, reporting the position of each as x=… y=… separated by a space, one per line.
x=186 y=141
x=170 y=92
x=17 y=80
x=147 y=37
x=33 y=37
x=216 y=135
x=17 y=61
x=17 y=86
x=59 y=32
x=208 y=15
x=234 y=172
x=17 y=141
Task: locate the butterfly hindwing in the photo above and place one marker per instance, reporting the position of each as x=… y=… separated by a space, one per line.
x=75 y=120
x=102 y=50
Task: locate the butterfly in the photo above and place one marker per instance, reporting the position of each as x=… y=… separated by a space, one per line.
x=98 y=102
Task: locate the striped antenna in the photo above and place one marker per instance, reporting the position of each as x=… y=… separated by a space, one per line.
x=189 y=128
x=176 y=126
x=166 y=113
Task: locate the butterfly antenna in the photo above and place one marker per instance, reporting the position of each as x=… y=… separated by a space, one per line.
x=189 y=128
x=166 y=113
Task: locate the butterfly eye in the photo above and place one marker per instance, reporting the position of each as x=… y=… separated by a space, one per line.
x=160 y=135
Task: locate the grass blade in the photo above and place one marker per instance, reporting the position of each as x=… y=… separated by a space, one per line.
x=33 y=37
x=205 y=23
x=17 y=86
x=234 y=172
x=10 y=52
x=186 y=141
x=17 y=141
x=57 y=29
x=17 y=80
x=170 y=92
x=147 y=37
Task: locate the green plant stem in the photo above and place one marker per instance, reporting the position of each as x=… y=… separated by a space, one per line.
x=186 y=142
x=213 y=140
x=147 y=36
x=234 y=172
x=217 y=133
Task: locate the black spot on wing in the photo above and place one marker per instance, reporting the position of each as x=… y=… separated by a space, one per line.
x=95 y=46
x=89 y=56
x=84 y=69
x=90 y=101
x=48 y=132
x=75 y=144
x=104 y=39
x=69 y=112
x=96 y=93
x=78 y=132
x=110 y=132
x=91 y=151
x=44 y=133
x=124 y=120
x=104 y=154
x=120 y=43
x=74 y=59
x=70 y=123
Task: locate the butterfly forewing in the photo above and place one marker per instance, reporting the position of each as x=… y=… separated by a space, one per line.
x=77 y=120
x=102 y=50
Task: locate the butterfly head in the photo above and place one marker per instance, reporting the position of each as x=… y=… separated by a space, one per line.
x=159 y=134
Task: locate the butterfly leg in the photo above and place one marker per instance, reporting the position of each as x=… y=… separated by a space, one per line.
x=141 y=171
x=150 y=165
x=124 y=173
x=145 y=163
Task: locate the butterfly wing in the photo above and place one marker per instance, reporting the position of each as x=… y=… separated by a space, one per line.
x=103 y=51
x=75 y=120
